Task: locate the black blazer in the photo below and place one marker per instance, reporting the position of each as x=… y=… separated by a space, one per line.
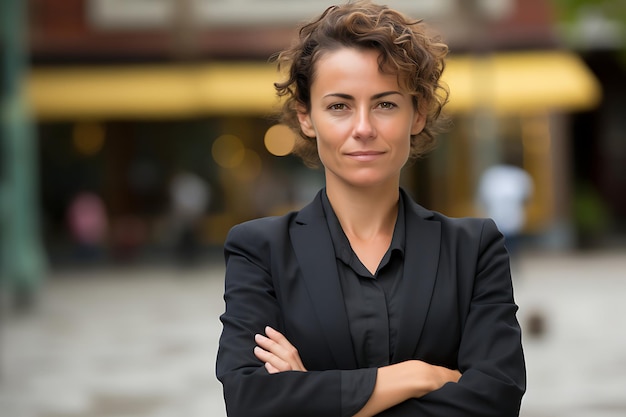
x=458 y=312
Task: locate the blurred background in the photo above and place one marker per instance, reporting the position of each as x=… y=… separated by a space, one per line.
x=135 y=133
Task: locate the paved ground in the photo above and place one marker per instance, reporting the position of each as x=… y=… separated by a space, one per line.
x=140 y=342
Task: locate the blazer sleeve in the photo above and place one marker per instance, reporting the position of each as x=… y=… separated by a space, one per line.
x=251 y=304
x=490 y=354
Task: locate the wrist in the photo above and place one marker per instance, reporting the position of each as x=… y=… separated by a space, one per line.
x=423 y=377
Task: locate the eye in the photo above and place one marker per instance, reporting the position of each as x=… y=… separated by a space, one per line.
x=387 y=105
x=337 y=106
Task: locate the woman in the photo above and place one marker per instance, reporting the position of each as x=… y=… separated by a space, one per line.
x=364 y=303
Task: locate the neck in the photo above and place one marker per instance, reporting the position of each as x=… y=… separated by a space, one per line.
x=365 y=213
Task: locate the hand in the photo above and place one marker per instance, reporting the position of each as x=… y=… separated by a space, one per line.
x=447 y=375
x=277 y=352
x=432 y=377
x=404 y=380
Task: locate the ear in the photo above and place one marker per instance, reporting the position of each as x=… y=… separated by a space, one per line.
x=419 y=121
x=306 y=124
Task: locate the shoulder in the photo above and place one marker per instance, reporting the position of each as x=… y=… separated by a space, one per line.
x=447 y=223
x=260 y=229
x=257 y=240
x=469 y=230
x=456 y=228
x=471 y=225
x=276 y=228
x=472 y=241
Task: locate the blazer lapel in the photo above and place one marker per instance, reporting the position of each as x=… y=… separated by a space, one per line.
x=315 y=254
x=423 y=239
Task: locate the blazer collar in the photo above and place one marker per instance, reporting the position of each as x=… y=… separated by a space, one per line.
x=315 y=254
x=421 y=259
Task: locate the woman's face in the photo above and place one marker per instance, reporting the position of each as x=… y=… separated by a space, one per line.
x=362 y=119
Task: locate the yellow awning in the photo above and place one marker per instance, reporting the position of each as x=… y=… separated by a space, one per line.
x=152 y=91
x=521 y=82
x=504 y=82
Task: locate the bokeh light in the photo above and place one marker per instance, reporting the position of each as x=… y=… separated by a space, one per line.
x=88 y=138
x=279 y=140
x=228 y=151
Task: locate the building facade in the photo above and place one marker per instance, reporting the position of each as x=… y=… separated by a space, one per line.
x=128 y=93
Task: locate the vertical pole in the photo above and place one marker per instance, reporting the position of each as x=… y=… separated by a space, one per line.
x=21 y=252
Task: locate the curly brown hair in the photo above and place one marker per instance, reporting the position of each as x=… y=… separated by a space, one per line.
x=406 y=49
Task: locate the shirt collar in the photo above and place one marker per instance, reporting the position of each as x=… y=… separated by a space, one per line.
x=343 y=250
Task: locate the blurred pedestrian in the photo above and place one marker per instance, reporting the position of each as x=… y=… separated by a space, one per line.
x=189 y=196
x=364 y=303
x=88 y=224
x=503 y=193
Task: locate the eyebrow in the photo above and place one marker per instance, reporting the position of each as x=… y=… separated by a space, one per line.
x=374 y=97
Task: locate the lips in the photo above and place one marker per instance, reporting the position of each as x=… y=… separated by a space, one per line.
x=365 y=155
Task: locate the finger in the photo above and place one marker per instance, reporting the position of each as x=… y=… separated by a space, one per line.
x=270 y=346
x=291 y=352
x=278 y=337
x=271 y=361
x=271 y=369
x=263 y=355
x=285 y=346
x=283 y=350
x=265 y=342
x=278 y=345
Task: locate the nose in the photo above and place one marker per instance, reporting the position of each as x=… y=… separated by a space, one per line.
x=363 y=127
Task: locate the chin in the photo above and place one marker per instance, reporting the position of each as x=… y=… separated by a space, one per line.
x=370 y=182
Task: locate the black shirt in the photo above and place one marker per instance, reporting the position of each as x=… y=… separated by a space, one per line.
x=371 y=302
